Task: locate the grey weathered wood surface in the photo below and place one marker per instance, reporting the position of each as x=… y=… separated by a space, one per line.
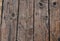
x=55 y=20
x=9 y=21
x=25 y=21
x=0 y=17
x=29 y=20
x=0 y=10
x=41 y=20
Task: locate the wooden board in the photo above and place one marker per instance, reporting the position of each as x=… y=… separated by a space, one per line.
x=0 y=17
x=29 y=20
x=55 y=20
x=0 y=10
x=41 y=20
x=25 y=21
x=9 y=21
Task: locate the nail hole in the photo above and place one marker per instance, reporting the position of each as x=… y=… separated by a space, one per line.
x=46 y=16
x=58 y=39
x=13 y=14
x=7 y=2
x=54 y=3
x=40 y=4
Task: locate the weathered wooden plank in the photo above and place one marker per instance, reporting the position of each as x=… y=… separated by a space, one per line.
x=41 y=20
x=25 y=24
x=9 y=21
x=54 y=20
x=0 y=17
x=0 y=10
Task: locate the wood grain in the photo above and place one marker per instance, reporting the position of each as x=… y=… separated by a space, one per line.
x=9 y=21
x=41 y=20
x=25 y=21
x=0 y=10
x=54 y=20
x=0 y=17
x=28 y=20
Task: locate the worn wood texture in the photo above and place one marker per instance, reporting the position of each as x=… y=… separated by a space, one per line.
x=29 y=20
x=9 y=21
x=0 y=17
x=54 y=20
x=0 y=10
x=41 y=20
x=25 y=21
